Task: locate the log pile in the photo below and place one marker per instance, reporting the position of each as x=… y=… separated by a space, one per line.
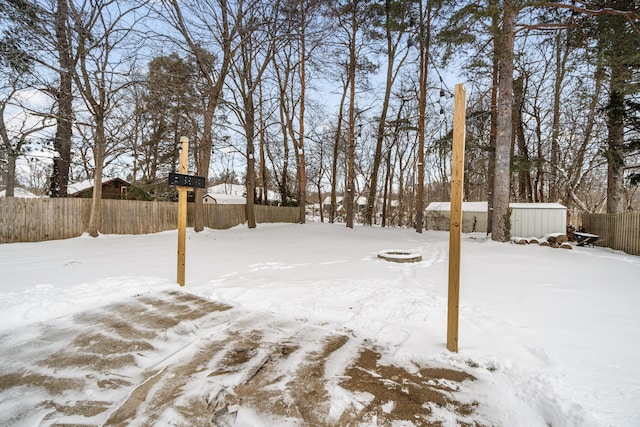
x=554 y=240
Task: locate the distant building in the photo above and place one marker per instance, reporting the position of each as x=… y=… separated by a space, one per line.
x=224 y=199
x=527 y=219
x=360 y=204
x=233 y=194
x=19 y=192
x=474 y=216
x=112 y=188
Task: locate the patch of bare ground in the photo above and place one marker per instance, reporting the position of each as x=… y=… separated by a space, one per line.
x=52 y=385
x=299 y=393
x=88 y=361
x=98 y=353
x=402 y=395
x=160 y=390
x=274 y=367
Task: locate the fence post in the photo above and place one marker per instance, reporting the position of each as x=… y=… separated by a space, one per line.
x=182 y=211
x=455 y=220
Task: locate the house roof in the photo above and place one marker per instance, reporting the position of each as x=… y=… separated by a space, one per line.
x=361 y=200
x=227 y=199
x=19 y=192
x=537 y=206
x=237 y=190
x=466 y=206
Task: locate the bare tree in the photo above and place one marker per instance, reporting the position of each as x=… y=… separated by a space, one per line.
x=299 y=45
x=14 y=139
x=42 y=28
x=501 y=191
x=396 y=21
x=207 y=21
x=258 y=30
x=101 y=31
x=351 y=17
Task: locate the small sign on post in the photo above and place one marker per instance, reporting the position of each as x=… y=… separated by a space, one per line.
x=186 y=180
x=184 y=183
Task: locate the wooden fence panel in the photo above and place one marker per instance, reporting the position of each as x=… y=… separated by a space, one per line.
x=617 y=231
x=34 y=220
x=282 y=214
x=224 y=216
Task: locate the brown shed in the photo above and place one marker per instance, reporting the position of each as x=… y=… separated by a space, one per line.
x=112 y=188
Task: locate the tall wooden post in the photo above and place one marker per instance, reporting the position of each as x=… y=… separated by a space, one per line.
x=455 y=221
x=182 y=210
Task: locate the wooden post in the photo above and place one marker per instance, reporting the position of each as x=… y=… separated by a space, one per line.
x=182 y=210
x=455 y=221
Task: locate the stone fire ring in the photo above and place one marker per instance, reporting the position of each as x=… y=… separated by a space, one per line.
x=395 y=255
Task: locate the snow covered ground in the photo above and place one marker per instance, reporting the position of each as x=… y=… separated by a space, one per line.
x=551 y=334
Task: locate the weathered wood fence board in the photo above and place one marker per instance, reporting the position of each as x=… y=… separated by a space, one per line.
x=34 y=220
x=617 y=231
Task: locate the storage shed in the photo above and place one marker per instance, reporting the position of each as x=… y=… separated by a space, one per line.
x=537 y=219
x=527 y=219
x=474 y=216
x=112 y=188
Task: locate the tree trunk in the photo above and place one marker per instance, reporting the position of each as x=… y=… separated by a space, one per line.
x=491 y=167
x=251 y=161
x=501 y=227
x=302 y=166
x=524 y=175
x=203 y=160
x=10 y=183
x=425 y=29
x=555 y=125
x=387 y=182
x=576 y=168
x=336 y=154
x=263 y=197
x=349 y=197
x=377 y=158
x=62 y=141
x=96 y=199
x=615 y=142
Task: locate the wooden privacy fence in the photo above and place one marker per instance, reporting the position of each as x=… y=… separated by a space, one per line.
x=35 y=220
x=619 y=231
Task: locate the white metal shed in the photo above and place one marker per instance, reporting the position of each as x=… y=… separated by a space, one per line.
x=527 y=219
x=474 y=216
x=537 y=219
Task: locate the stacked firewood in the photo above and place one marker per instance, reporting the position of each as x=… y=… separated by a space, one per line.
x=553 y=240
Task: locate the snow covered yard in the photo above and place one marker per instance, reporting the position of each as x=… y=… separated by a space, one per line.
x=549 y=335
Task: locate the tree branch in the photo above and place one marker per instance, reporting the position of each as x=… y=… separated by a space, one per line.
x=629 y=15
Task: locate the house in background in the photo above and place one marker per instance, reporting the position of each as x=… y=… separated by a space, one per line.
x=233 y=194
x=19 y=192
x=224 y=199
x=360 y=205
x=112 y=188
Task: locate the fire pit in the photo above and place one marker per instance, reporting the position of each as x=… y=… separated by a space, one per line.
x=395 y=255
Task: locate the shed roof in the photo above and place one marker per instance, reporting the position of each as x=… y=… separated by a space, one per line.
x=483 y=206
x=466 y=206
x=537 y=206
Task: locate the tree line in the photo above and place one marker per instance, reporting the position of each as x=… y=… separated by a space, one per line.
x=346 y=100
